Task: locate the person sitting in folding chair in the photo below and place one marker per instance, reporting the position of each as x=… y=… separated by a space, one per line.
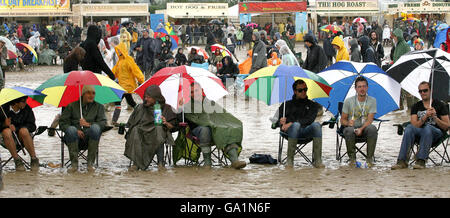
x=21 y=121
x=83 y=129
x=214 y=128
x=146 y=136
x=358 y=114
x=428 y=124
x=298 y=122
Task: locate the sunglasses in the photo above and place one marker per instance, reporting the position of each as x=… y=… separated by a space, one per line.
x=423 y=90
x=301 y=90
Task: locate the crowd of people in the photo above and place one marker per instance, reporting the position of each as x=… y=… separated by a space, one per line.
x=131 y=53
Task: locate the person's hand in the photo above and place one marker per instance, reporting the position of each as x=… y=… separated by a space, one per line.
x=80 y=134
x=139 y=49
x=285 y=127
x=181 y=102
x=84 y=123
x=12 y=127
x=8 y=121
x=358 y=132
x=283 y=121
x=351 y=122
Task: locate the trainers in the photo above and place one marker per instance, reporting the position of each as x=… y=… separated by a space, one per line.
x=34 y=164
x=238 y=164
x=420 y=164
x=401 y=164
x=19 y=165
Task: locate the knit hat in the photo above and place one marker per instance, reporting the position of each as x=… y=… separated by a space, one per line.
x=87 y=88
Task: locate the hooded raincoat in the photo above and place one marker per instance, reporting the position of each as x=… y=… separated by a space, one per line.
x=274 y=60
x=342 y=53
x=259 y=57
x=126 y=70
x=401 y=46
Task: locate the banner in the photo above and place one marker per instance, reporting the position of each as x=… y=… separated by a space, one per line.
x=34 y=4
x=156 y=19
x=347 y=5
x=197 y=10
x=271 y=7
x=244 y=18
x=301 y=25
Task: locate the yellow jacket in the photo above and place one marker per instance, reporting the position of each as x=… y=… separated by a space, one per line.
x=125 y=37
x=342 y=52
x=126 y=70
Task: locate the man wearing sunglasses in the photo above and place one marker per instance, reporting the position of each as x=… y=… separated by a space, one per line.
x=21 y=121
x=298 y=122
x=427 y=123
x=358 y=113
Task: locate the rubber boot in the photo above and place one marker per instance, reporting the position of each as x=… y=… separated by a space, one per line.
x=73 y=155
x=292 y=144
x=206 y=151
x=317 y=153
x=116 y=115
x=92 y=153
x=160 y=157
x=235 y=162
x=371 y=145
x=350 y=143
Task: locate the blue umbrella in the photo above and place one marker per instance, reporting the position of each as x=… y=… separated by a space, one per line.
x=441 y=36
x=341 y=76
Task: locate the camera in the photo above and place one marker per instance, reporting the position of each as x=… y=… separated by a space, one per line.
x=121 y=128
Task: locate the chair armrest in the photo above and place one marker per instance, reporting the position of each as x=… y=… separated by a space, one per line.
x=380 y=120
x=40 y=130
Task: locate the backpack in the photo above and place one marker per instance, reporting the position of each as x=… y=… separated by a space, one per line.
x=262 y=159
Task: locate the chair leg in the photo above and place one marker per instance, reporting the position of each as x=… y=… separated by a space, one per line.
x=280 y=148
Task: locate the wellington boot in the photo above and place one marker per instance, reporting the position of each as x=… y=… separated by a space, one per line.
x=206 y=151
x=292 y=144
x=73 y=155
x=351 y=151
x=92 y=154
x=317 y=153
x=235 y=162
x=371 y=145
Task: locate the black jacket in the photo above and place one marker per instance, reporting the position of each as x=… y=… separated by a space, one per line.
x=93 y=60
x=231 y=68
x=147 y=54
x=24 y=119
x=316 y=60
x=303 y=111
x=367 y=52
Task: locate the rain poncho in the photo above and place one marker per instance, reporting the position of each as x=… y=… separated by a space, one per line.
x=34 y=41
x=287 y=58
x=46 y=56
x=342 y=53
x=244 y=67
x=274 y=60
x=144 y=137
x=126 y=70
x=401 y=47
x=125 y=37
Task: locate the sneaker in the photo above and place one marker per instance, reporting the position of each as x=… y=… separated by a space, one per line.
x=19 y=165
x=401 y=164
x=238 y=164
x=34 y=164
x=420 y=164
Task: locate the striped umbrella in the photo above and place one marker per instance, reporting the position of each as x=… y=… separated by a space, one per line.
x=162 y=33
x=342 y=75
x=9 y=94
x=22 y=45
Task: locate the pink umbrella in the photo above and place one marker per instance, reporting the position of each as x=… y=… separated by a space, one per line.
x=359 y=20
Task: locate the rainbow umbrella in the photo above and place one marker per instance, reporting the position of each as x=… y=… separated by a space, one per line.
x=22 y=45
x=9 y=94
x=200 y=51
x=330 y=28
x=66 y=88
x=273 y=84
x=162 y=33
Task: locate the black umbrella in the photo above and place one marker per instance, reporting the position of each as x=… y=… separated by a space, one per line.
x=431 y=65
x=215 y=22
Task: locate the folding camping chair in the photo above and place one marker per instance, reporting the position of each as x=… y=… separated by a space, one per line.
x=82 y=148
x=301 y=143
x=20 y=148
x=442 y=142
x=340 y=134
x=187 y=147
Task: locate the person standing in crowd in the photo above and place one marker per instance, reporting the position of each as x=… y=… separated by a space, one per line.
x=125 y=37
x=355 y=54
x=145 y=53
x=316 y=59
x=230 y=43
x=447 y=41
x=239 y=38
x=342 y=53
x=386 y=35
x=367 y=52
x=248 y=31
x=431 y=35
x=259 y=56
x=328 y=48
x=377 y=46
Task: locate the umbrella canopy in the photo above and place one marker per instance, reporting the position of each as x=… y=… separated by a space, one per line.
x=9 y=94
x=359 y=20
x=273 y=84
x=331 y=28
x=411 y=19
x=225 y=51
x=431 y=65
x=9 y=45
x=441 y=36
x=11 y=55
x=200 y=51
x=175 y=84
x=215 y=22
x=342 y=75
x=441 y=26
x=162 y=33
x=254 y=25
x=22 y=45
x=64 y=89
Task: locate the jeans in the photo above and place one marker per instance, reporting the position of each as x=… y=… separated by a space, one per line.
x=203 y=133
x=92 y=133
x=427 y=135
x=297 y=131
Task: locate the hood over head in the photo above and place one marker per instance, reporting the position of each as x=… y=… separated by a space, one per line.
x=257 y=36
x=93 y=33
x=399 y=34
x=309 y=38
x=338 y=42
x=155 y=92
x=364 y=40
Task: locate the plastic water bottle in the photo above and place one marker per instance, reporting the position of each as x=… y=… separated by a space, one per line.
x=358 y=164
x=157 y=114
